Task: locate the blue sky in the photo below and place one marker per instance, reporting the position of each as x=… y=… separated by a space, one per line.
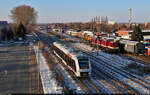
x=50 y=11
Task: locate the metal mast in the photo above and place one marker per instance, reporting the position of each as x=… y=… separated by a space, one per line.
x=130 y=16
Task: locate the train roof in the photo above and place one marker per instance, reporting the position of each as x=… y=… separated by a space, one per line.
x=64 y=46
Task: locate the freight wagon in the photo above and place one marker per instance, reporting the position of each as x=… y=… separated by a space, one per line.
x=132 y=46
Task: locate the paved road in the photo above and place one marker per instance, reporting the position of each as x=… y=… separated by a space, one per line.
x=15 y=70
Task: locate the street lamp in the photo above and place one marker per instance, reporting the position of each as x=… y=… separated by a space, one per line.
x=39 y=62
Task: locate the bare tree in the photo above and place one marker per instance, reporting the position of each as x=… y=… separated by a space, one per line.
x=24 y=14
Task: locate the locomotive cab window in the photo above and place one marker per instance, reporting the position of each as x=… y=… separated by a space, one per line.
x=83 y=63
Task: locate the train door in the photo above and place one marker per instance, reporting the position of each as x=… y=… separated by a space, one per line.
x=74 y=66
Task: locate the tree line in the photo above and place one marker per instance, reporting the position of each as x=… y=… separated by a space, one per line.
x=24 y=18
x=9 y=34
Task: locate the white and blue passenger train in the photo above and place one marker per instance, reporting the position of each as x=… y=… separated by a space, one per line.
x=74 y=59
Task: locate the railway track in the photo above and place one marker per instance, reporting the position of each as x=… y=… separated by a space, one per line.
x=116 y=73
x=86 y=83
x=90 y=85
x=83 y=82
x=112 y=85
x=122 y=81
x=115 y=64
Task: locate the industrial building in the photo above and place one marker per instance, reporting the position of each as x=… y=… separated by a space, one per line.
x=126 y=34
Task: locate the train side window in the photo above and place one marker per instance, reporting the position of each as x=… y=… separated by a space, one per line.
x=74 y=65
x=66 y=59
x=64 y=56
x=69 y=61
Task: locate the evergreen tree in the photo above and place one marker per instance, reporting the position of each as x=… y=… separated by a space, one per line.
x=137 y=34
x=21 y=31
x=4 y=33
x=10 y=34
x=95 y=31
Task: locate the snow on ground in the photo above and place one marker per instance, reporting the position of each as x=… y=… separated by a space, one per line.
x=128 y=65
x=69 y=82
x=147 y=77
x=117 y=61
x=121 y=62
x=113 y=58
x=137 y=86
x=82 y=46
x=125 y=80
x=48 y=81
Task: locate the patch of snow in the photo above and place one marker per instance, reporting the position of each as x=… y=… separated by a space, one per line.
x=137 y=86
x=147 y=77
x=112 y=59
x=82 y=46
x=99 y=84
x=123 y=79
x=48 y=81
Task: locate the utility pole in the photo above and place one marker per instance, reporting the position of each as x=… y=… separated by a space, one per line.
x=101 y=20
x=0 y=36
x=106 y=20
x=92 y=24
x=39 y=62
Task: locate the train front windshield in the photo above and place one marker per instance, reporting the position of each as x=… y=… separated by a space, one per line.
x=83 y=63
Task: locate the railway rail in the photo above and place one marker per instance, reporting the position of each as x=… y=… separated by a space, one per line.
x=116 y=73
x=114 y=63
x=86 y=83
x=108 y=70
x=135 y=79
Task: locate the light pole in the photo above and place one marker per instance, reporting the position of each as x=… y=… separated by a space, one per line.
x=38 y=67
x=97 y=47
x=0 y=36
